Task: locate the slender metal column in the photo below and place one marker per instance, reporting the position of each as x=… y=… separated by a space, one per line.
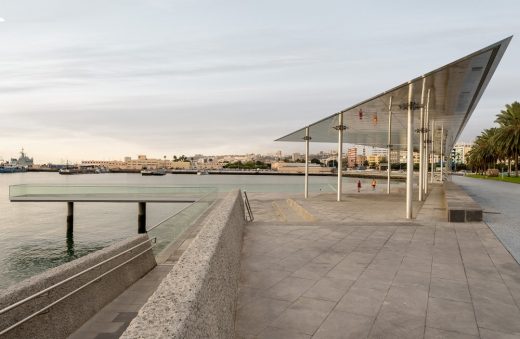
x=389 y=145
x=442 y=153
x=426 y=153
x=340 y=129
x=307 y=138
x=70 y=217
x=409 y=153
x=433 y=151
x=421 y=143
x=141 y=218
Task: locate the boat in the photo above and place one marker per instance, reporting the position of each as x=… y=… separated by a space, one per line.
x=69 y=171
x=8 y=168
x=17 y=165
x=157 y=172
x=202 y=173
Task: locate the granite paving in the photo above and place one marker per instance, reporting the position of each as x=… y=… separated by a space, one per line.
x=360 y=270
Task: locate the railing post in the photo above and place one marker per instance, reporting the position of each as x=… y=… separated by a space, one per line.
x=141 y=218
x=70 y=217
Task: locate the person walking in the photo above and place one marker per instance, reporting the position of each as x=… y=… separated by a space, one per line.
x=358 y=186
x=374 y=183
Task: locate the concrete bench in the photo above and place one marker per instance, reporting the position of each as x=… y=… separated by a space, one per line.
x=460 y=206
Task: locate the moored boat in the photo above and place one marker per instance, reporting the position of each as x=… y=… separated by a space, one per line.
x=157 y=172
x=7 y=168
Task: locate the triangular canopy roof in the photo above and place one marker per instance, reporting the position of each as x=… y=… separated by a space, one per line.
x=455 y=90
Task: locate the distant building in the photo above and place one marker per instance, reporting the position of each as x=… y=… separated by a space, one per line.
x=296 y=156
x=298 y=167
x=140 y=163
x=208 y=163
x=375 y=160
x=400 y=157
x=351 y=157
x=360 y=159
x=461 y=152
x=395 y=157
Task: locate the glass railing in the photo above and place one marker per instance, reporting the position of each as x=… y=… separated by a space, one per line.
x=35 y=191
x=170 y=229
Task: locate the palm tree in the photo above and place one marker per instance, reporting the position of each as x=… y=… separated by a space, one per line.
x=508 y=134
x=484 y=153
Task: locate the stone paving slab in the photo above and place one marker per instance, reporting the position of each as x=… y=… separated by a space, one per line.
x=422 y=279
x=112 y=320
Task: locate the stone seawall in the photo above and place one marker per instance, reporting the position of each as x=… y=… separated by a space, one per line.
x=198 y=297
x=66 y=316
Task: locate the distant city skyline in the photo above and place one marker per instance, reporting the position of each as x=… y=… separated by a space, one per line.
x=101 y=80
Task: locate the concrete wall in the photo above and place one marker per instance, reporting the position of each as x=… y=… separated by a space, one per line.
x=198 y=297
x=68 y=315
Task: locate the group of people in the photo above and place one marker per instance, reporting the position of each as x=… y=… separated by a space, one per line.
x=374 y=183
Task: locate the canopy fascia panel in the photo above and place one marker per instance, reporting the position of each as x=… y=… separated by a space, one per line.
x=454 y=91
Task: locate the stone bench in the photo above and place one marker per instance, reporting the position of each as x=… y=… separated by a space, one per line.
x=460 y=207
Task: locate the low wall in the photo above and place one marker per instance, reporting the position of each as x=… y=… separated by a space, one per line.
x=68 y=315
x=197 y=299
x=460 y=207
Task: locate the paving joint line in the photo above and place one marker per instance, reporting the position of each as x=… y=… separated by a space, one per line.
x=467 y=282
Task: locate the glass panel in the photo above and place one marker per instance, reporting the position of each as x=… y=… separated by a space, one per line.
x=173 y=227
x=105 y=193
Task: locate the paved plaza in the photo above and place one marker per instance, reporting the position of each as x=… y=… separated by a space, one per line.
x=358 y=269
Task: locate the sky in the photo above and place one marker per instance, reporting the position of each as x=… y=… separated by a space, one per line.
x=100 y=80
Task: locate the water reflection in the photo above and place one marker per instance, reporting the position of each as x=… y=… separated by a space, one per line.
x=36 y=257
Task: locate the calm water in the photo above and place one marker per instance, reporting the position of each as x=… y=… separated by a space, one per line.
x=33 y=235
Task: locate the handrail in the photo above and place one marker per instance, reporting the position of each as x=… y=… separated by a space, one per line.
x=73 y=292
x=23 y=301
x=248 y=207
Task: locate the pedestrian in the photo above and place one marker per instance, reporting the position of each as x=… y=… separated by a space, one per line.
x=374 y=183
x=359 y=186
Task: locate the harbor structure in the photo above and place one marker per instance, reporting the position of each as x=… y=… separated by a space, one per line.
x=142 y=162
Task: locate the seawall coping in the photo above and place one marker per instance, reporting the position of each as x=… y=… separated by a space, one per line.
x=198 y=297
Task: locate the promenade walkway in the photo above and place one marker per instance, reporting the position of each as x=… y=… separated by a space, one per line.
x=500 y=201
x=361 y=270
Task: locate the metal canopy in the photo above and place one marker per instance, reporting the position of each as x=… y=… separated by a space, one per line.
x=455 y=90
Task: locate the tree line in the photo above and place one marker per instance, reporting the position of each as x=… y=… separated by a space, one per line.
x=498 y=144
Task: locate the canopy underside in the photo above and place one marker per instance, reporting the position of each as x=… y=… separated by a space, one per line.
x=455 y=90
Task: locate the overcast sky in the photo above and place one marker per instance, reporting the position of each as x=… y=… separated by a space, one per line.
x=107 y=79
